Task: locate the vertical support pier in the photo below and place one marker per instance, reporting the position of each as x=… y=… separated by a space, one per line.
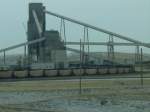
x=4 y=57
x=25 y=55
x=141 y=61
x=63 y=31
x=137 y=54
x=86 y=47
x=110 y=48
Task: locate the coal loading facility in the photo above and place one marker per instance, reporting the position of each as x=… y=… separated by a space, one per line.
x=46 y=50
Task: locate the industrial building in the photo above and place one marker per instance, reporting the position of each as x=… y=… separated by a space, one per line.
x=52 y=49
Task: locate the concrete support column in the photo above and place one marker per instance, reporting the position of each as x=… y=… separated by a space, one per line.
x=42 y=52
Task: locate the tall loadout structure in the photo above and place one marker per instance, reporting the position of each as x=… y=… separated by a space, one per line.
x=34 y=50
x=52 y=49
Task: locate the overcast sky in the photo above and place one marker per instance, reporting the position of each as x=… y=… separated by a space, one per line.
x=127 y=17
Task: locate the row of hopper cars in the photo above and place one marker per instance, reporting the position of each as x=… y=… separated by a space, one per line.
x=66 y=72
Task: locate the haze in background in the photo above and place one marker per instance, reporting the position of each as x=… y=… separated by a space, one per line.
x=127 y=17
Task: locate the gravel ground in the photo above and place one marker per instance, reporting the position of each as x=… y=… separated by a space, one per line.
x=68 y=101
x=120 y=95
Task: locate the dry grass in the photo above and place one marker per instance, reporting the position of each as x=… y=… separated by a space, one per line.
x=47 y=85
x=113 y=89
x=118 y=87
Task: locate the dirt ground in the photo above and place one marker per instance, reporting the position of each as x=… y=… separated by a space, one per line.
x=97 y=95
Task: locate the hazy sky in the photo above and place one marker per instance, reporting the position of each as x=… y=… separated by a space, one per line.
x=127 y=17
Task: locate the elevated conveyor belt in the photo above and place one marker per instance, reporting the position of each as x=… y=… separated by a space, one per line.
x=99 y=29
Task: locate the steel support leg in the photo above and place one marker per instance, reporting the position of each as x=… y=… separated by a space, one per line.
x=137 y=54
x=4 y=58
x=63 y=30
x=86 y=46
x=110 y=48
x=25 y=55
